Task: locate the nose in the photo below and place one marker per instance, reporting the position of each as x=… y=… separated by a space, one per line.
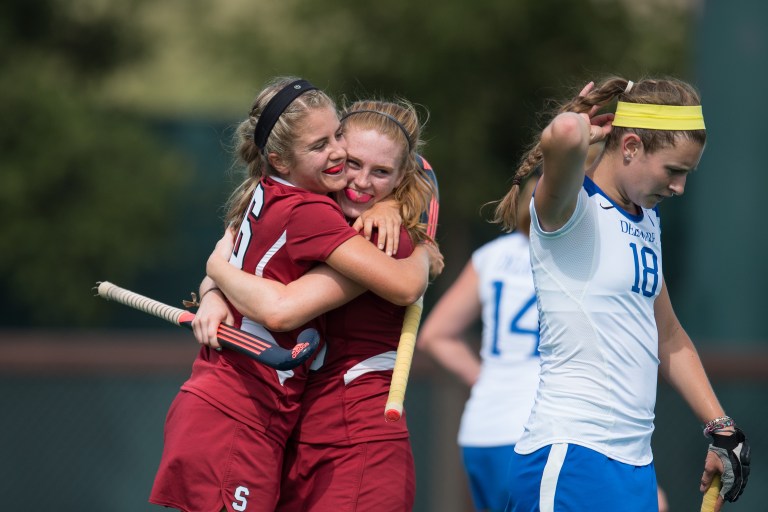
x=362 y=179
x=677 y=185
x=338 y=149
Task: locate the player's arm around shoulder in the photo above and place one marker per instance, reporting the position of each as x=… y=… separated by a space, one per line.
x=277 y=306
x=386 y=219
x=316 y=292
x=401 y=282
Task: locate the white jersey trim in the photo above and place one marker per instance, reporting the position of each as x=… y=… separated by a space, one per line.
x=550 y=476
x=377 y=363
x=271 y=252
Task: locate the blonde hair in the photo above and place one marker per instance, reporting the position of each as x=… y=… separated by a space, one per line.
x=664 y=91
x=399 y=121
x=280 y=141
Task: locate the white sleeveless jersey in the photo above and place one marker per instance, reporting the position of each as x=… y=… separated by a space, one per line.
x=596 y=281
x=502 y=398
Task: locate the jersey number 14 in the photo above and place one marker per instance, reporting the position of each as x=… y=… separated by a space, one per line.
x=514 y=325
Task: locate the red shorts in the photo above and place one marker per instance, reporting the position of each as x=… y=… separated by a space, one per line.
x=372 y=477
x=212 y=462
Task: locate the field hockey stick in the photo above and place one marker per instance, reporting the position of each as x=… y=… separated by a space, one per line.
x=267 y=352
x=393 y=410
x=710 y=497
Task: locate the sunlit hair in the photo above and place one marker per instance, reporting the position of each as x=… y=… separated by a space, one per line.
x=665 y=91
x=281 y=141
x=416 y=189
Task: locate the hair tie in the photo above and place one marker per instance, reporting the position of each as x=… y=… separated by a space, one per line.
x=629 y=86
x=517 y=180
x=275 y=108
x=391 y=118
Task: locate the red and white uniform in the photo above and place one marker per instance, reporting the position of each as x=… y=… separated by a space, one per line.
x=343 y=455
x=286 y=231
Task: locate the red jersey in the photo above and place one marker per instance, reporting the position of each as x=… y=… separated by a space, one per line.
x=285 y=232
x=348 y=386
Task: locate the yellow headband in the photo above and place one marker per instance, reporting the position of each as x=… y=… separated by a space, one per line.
x=658 y=117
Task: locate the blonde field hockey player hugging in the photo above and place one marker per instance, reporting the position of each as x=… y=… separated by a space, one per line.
x=293 y=150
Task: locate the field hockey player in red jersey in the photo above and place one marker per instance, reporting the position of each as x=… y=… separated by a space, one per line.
x=226 y=430
x=343 y=455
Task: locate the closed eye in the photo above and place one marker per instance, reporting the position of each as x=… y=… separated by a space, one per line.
x=353 y=164
x=679 y=170
x=319 y=145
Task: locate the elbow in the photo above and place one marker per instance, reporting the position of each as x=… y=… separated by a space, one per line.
x=408 y=296
x=415 y=289
x=401 y=301
x=280 y=322
x=566 y=131
x=278 y=317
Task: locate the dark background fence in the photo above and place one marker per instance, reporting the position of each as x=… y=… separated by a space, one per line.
x=83 y=416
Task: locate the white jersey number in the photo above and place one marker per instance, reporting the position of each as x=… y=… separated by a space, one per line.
x=244 y=236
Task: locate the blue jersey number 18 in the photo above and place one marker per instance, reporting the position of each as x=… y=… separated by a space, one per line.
x=650 y=271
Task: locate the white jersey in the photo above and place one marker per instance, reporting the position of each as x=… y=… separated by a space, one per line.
x=502 y=397
x=596 y=281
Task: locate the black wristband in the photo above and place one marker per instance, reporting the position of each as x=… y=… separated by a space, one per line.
x=728 y=442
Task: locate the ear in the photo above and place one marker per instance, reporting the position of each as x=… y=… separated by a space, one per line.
x=277 y=163
x=630 y=145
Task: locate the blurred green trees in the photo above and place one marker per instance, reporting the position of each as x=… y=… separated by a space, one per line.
x=88 y=186
x=84 y=187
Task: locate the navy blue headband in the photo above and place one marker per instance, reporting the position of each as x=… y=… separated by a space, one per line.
x=275 y=109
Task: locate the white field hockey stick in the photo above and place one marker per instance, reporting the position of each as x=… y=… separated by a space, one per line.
x=405 y=348
x=264 y=351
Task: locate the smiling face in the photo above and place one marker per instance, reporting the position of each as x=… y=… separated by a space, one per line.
x=318 y=154
x=374 y=170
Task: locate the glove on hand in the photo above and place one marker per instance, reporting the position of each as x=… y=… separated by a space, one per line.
x=734 y=452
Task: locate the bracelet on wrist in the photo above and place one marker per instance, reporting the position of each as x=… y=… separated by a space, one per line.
x=195 y=302
x=718 y=424
x=212 y=289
